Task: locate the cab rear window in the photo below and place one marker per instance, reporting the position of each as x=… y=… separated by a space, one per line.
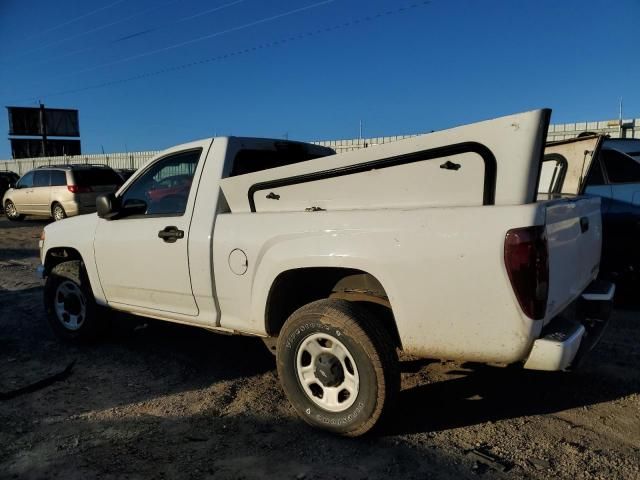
x=96 y=176
x=249 y=160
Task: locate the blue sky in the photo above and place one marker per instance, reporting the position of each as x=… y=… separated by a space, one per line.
x=428 y=67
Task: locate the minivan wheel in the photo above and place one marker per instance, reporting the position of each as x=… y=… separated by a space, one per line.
x=11 y=211
x=58 y=212
x=71 y=309
x=338 y=366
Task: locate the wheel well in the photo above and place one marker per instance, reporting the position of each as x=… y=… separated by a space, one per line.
x=294 y=288
x=53 y=204
x=58 y=255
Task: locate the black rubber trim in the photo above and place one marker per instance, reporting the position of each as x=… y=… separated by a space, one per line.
x=551 y=157
x=546 y=120
x=490 y=169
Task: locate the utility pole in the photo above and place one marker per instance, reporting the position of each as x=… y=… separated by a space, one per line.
x=620 y=120
x=43 y=129
x=360 y=133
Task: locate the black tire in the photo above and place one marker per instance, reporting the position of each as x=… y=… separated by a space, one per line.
x=71 y=310
x=11 y=212
x=375 y=366
x=57 y=212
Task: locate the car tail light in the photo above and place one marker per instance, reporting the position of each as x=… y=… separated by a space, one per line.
x=526 y=256
x=78 y=189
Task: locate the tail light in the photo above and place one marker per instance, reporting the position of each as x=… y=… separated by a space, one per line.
x=78 y=189
x=526 y=256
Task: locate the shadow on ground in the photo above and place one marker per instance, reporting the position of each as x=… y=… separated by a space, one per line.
x=231 y=447
x=486 y=394
x=163 y=359
x=17 y=253
x=28 y=222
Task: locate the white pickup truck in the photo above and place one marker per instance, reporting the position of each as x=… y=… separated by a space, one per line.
x=433 y=245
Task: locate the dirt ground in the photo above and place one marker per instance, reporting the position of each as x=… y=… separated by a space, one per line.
x=161 y=401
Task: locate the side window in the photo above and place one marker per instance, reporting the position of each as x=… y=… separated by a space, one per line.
x=595 y=176
x=620 y=168
x=58 y=178
x=41 y=178
x=26 y=181
x=164 y=188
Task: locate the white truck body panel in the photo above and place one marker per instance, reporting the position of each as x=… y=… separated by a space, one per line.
x=466 y=244
x=433 y=237
x=574 y=255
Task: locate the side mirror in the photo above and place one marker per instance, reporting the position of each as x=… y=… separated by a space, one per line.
x=107 y=206
x=133 y=206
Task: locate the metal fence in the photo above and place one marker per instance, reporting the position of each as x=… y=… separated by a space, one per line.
x=114 y=160
x=614 y=128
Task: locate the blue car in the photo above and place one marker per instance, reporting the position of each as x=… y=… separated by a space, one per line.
x=610 y=169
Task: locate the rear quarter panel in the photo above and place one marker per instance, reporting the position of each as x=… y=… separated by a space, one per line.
x=442 y=269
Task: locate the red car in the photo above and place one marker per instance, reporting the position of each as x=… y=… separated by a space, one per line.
x=176 y=186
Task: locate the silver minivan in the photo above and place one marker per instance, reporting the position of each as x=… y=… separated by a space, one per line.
x=59 y=191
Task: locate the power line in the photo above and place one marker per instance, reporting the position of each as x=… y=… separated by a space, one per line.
x=184 y=19
x=73 y=20
x=226 y=56
x=87 y=32
x=196 y=40
x=126 y=37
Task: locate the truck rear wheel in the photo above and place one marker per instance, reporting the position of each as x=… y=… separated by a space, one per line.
x=337 y=366
x=71 y=309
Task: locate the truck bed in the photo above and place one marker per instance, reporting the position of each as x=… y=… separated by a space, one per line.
x=428 y=217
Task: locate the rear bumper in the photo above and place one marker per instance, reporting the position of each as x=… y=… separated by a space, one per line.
x=73 y=208
x=568 y=338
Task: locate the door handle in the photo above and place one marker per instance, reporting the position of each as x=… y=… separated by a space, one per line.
x=170 y=234
x=584 y=224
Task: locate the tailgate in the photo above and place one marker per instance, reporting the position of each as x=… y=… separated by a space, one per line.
x=574 y=236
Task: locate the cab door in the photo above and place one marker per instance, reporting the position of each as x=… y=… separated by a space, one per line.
x=142 y=255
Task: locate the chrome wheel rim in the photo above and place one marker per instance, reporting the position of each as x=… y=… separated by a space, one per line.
x=58 y=213
x=70 y=305
x=327 y=372
x=10 y=209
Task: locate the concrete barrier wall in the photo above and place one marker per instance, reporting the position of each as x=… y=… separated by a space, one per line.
x=628 y=129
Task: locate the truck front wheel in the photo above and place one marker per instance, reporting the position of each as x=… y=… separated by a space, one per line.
x=337 y=366
x=71 y=309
